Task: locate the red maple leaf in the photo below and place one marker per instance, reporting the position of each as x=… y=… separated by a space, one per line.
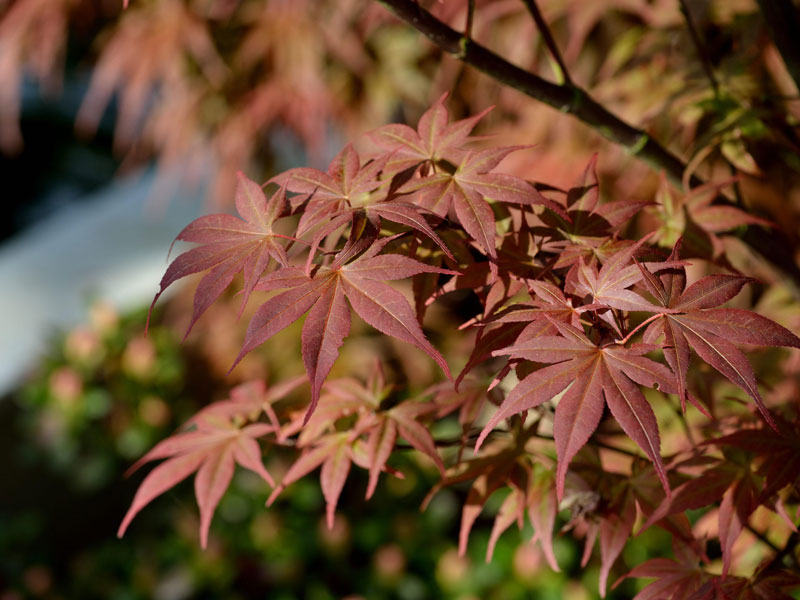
x=596 y=375
x=324 y=445
x=694 y=322
x=468 y=187
x=362 y=282
x=778 y=455
x=212 y=450
x=591 y=227
x=347 y=192
x=434 y=140
x=230 y=246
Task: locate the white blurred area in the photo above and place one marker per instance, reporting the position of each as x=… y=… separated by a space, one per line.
x=111 y=247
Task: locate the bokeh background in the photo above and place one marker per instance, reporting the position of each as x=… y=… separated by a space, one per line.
x=119 y=127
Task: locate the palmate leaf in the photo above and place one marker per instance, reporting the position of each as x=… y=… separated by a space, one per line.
x=593 y=376
x=248 y=400
x=434 y=139
x=685 y=579
x=469 y=189
x=212 y=450
x=386 y=427
x=694 y=322
x=779 y=455
x=589 y=226
x=520 y=322
x=674 y=580
x=345 y=184
x=700 y=219
x=610 y=285
x=335 y=454
x=347 y=192
x=335 y=451
x=734 y=485
x=328 y=322
x=230 y=246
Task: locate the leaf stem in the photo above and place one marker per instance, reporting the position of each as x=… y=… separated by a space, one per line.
x=647 y=321
x=291 y=238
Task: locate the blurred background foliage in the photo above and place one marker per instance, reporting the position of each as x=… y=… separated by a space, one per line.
x=224 y=85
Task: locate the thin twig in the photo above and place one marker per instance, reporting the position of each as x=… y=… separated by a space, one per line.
x=699 y=47
x=762 y=538
x=445 y=443
x=470 y=16
x=547 y=36
x=596 y=442
x=788 y=550
x=705 y=61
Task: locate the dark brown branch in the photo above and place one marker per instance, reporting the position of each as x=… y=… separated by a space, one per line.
x=762 y=538
x=788 y=550
x=547 y=36
x=571 y=99
x=783 y=23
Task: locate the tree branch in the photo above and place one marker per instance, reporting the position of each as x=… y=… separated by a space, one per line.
x=788 y=550
x=571 y=99
x=762 y=537
x=567 y=98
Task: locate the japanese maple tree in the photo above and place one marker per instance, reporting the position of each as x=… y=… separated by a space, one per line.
x=584 y=338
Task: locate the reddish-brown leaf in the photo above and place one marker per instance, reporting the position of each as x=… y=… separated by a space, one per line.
x=379 y=447
x=596 y=376
x=694 y=322
x=615 y=529
x=231 y=246
x=332 y=477
x=212 y=451
x=542 y=511
x=433 y=140
x=326 y=326
x=511 y=510
x=674 y=580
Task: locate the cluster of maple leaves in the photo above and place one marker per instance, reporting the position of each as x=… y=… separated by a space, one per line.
x=575 y=320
